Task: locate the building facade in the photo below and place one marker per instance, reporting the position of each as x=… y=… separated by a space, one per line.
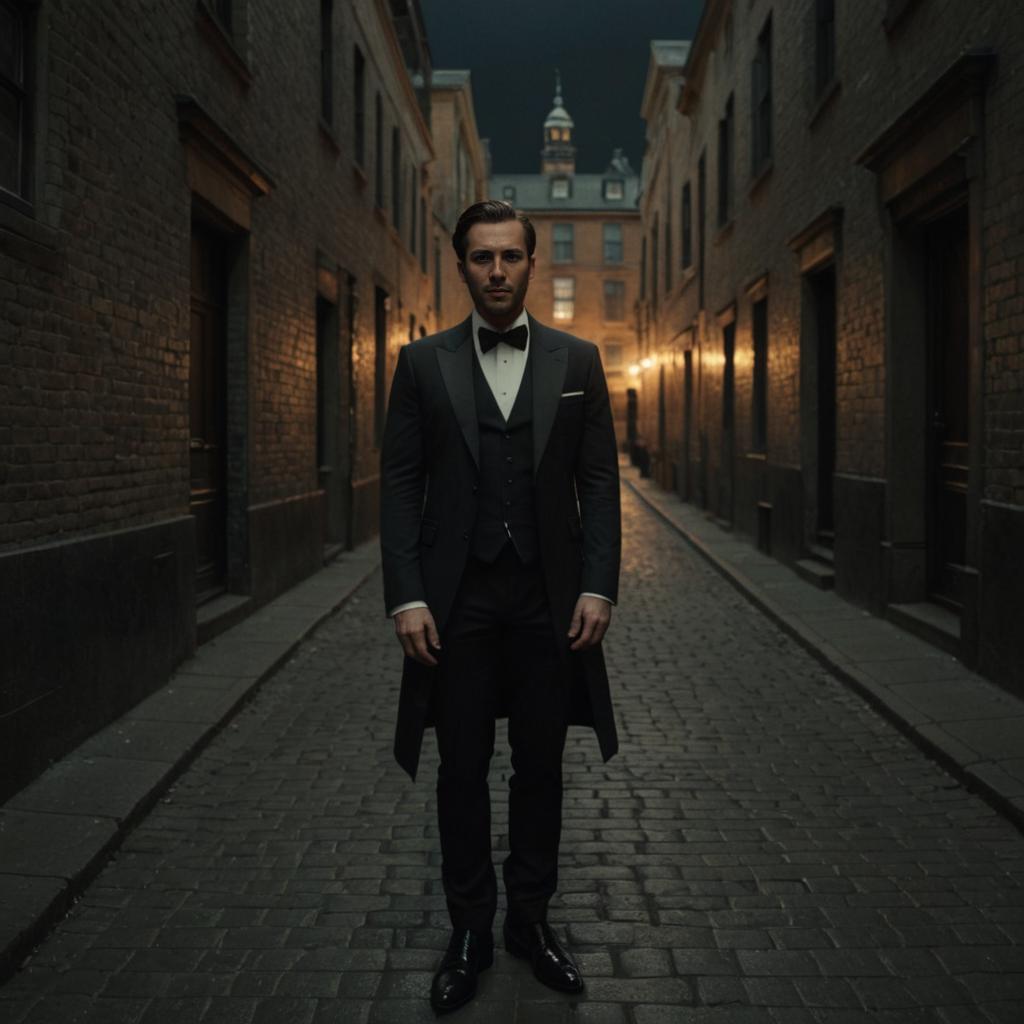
x=214 y=237
x=588 y=249
x=461 y=179
x=831 y=319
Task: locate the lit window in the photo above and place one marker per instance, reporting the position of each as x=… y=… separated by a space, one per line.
x=562 y=236
x=564 y=289
x=559 y=188
x=614 y=188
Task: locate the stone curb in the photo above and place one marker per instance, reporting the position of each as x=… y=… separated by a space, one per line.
x=977 y=769
x=57 y=834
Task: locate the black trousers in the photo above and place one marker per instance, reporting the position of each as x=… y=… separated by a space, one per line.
x=500 y=645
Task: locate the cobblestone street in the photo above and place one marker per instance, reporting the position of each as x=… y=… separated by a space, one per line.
x=765 y=848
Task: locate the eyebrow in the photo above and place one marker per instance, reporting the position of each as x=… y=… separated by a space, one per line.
x=510 y=249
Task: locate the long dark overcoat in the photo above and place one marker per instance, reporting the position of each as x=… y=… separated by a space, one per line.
x=429 y=477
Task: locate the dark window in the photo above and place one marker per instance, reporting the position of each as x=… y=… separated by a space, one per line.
x=824 y=45
x=413 y=208
x=759 y=414
x=423 y=235
x=687 y=227
x=380 y=361
x=761 y=100
x=612 y=236
x=396 y=179
x=725 y=159
x=223 y=11
x=563 y=240
x=378 y=145
x=359 y=87
x=14 y=106
x=669 y=266
x=643 y=267
x=702 y=215
x=654 y=262
x=327 y=60
x=615 y=300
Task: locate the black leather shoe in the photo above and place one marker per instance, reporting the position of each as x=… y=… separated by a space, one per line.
x=552 y=965
x=455 y=981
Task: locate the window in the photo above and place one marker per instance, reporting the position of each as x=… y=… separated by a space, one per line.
x=687 y=226
x=327 y=60
x=563 y=239
x=564 y=290
x=615 y=300
x=396 y=179
x=614 y=188
x=380 y=359
x=759 y=417
x=559 y=188
x=15 y=126
x=378 y=177
x=413 y=206
x=508 y=193
x=423 y=235
x=725 y=158
x=702 y=206
x=669 y=264
x=643 y=267
x=613 y=357
x=761 y=101
x=359 y=88
x=824 y=45
x=612 y=243
x=654 y=262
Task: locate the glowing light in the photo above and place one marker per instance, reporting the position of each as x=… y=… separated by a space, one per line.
x=647 y=362
x=634 y=370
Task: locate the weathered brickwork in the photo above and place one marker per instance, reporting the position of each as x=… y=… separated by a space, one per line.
x=839 y=191
x=143 y=120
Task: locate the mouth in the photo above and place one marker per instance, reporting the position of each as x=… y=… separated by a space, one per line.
x=498 y=291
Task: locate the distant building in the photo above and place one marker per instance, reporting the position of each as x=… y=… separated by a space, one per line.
x=831 y=320
x=588 y=248
x=209 y=259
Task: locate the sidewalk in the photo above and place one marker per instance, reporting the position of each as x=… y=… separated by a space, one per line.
x=970 y=725
x=57 y=833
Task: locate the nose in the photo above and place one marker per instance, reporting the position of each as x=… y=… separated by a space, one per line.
x=497 y=269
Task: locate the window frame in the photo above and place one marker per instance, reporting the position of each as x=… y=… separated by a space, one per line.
x=22 y=89
x=613 y=291
x=566 y=302
x=618 y=244
x=568 y=245
x=761 y=142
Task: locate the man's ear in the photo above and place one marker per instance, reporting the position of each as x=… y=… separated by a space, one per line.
x=533 y=267
x=462 y=270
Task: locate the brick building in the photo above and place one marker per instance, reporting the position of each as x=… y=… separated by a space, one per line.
x=831 y=319
x=461 y=163
x=214 y=237
x=588 y=248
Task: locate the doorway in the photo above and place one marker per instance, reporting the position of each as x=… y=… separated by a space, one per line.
x=687 y=423
x=725 y=504
x=208 y=407
x=823 y=298
x=947 y=371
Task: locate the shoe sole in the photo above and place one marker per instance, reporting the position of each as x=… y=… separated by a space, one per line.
x=520 y=951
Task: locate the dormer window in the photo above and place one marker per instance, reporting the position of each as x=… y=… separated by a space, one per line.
x=614 y=188
x=508 y=193
x=559 y=188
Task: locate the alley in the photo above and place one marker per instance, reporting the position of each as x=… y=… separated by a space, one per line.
x=765 y=848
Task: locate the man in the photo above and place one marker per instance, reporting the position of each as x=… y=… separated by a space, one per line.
x=500 y=538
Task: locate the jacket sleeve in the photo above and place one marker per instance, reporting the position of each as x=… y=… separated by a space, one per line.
x=597 y=488
x=402 y=488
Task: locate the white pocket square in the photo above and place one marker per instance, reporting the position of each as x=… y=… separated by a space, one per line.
x=571 y=394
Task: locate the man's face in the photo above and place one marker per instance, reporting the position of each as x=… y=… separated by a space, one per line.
x=497 y=270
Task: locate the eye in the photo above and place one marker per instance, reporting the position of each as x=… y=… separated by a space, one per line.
x=481 y=257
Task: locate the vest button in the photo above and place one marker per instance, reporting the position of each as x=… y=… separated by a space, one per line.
x=475 y=488
x=465 y=534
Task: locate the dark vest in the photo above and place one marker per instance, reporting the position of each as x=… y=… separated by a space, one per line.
x=505 y=511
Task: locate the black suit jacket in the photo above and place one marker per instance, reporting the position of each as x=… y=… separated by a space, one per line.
x=429 y=469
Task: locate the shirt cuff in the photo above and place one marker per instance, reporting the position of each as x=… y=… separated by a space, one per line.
x=405 y=607
x=587 y=593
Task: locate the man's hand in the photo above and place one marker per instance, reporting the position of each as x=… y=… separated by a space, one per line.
x=417 y=634
x=590 y=621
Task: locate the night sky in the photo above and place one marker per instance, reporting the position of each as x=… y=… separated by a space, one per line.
x=601 y=47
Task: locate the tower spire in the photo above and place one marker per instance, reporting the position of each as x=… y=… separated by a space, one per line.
x=559 y=154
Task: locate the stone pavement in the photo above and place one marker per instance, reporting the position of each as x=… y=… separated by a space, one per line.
x=765 y=848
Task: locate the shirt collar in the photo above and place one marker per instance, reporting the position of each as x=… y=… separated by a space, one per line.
x=479 y=321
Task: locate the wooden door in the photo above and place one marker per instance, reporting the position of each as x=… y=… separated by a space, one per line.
x=946 y=265
x=207 y=409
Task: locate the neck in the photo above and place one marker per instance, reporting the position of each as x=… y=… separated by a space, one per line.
x=504 y=323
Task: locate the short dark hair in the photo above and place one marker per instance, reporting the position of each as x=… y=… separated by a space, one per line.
x=490 y=211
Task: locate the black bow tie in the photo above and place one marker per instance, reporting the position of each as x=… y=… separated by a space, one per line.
x=516 y=338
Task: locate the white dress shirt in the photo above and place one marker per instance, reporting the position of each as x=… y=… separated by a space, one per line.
x=502 y=368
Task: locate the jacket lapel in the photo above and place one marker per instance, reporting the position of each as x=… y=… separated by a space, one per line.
x=455 y=360
x=549 y=364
